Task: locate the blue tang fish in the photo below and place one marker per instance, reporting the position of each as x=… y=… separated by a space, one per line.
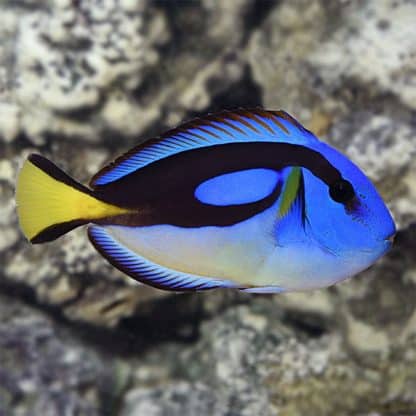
x=245 y=199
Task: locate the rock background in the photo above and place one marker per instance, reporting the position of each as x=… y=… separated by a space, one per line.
x=82 y=81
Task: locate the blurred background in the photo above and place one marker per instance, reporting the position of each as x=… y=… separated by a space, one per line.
x=82 y=81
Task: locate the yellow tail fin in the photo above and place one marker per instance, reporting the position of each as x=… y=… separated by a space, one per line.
x=50 y=203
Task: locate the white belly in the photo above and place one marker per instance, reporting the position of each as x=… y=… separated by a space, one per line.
x=235 y=252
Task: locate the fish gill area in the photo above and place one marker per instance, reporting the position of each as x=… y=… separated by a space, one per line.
x=84 y=80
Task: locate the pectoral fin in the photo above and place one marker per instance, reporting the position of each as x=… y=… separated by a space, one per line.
x=292 y=216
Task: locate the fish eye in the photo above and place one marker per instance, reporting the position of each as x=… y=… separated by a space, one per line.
x=341 y=191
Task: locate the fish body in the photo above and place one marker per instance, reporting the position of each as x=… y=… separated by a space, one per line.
x=245 y=199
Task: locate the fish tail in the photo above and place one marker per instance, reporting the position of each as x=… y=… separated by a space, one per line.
x=50 y=203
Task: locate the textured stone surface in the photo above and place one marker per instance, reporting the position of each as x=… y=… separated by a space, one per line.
x=278 y=49
x=82 y=81
x=68 y=54
x=247 y=362
x=44 y=371
x=374 y=48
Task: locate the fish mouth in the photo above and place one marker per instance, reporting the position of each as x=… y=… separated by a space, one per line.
x=390 y=239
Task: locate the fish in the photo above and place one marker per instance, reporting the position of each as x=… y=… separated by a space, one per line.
x=246 y=199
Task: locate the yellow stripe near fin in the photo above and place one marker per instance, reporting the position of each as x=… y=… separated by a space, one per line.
x=43 y=201
x=290 y=191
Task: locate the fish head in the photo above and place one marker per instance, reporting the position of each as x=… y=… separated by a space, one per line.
x=348 y=218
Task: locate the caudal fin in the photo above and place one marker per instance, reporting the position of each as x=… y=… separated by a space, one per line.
x=50 y=203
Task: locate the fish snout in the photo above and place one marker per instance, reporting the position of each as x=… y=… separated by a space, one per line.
x=390 y=238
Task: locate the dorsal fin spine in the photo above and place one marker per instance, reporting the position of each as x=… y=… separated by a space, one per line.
x=207 y=130
x=242 y=120
x=262 y=123
x=227 y=123
x=279 y=124
x=223 y=130
x=202 y=138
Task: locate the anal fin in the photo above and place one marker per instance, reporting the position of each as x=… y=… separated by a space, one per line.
x=145 y=271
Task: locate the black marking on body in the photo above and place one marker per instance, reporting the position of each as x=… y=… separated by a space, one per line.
x=163 y=191
x=301 y=196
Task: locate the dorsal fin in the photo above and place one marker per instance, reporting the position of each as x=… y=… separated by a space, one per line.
x=243 y=125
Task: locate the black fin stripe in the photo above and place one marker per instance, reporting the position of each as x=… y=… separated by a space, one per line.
x=56 y=230
x=52 y=170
